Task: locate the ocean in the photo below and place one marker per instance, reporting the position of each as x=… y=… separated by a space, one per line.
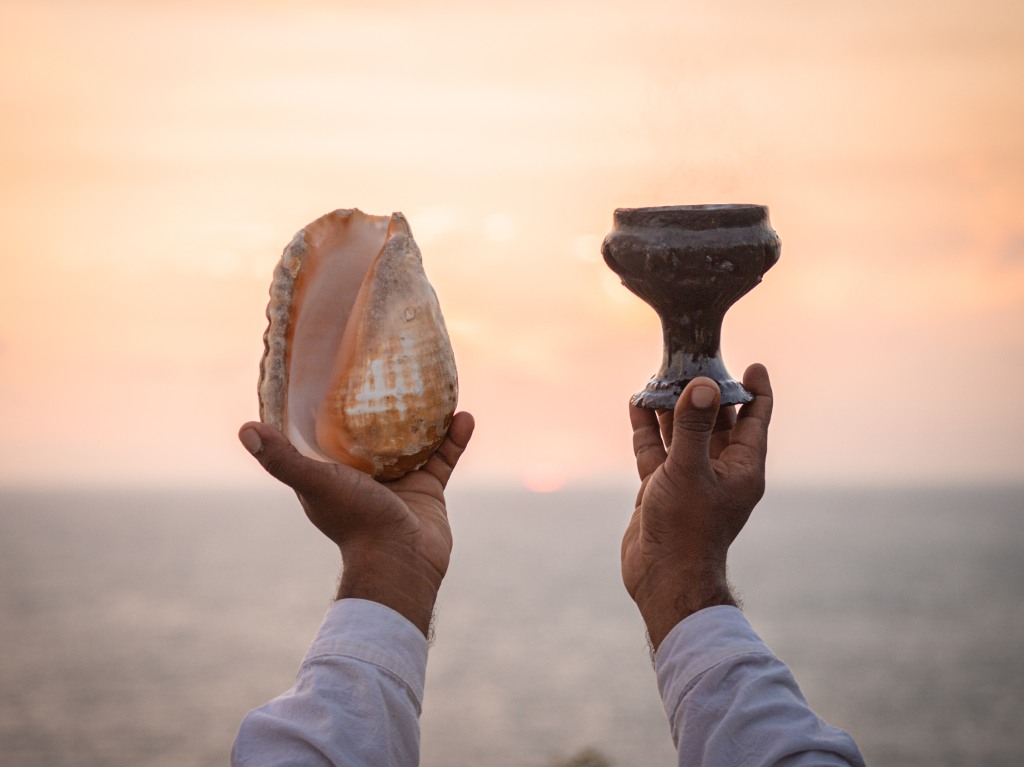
x=139 y=627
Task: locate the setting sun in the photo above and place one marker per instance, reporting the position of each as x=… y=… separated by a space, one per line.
x=543 y=479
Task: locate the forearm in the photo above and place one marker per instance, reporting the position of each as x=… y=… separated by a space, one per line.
x=730 y=700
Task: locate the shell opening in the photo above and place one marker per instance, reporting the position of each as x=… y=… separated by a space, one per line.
x=369 y=374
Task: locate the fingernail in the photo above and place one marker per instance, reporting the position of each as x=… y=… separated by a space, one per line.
x=251 y=441
x=702 y=397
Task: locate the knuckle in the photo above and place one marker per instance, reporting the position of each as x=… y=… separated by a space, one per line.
x=276 y=466
x=691 y=425
x=641 y=449
x=272 y=464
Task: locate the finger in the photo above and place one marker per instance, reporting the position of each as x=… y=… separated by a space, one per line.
x=665 y=422
x=442 y=463
x=647 y=444
x=751 y=429
x=641 y=491
x=720 y=434
x=282 y=461
x=693 y=425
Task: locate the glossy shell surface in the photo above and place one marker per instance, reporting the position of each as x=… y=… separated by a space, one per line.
x=357 y=367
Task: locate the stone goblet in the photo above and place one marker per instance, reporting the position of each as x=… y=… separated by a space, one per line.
x=691 y=263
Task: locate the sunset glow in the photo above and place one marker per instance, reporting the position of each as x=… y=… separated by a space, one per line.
x=157 y=157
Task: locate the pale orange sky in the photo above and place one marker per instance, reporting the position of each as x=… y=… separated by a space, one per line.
x=157 y=157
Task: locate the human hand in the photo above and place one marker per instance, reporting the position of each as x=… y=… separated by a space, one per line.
x=394 y=537
x=702 y=472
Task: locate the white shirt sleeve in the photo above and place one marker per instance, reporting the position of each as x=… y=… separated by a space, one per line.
x=730 y=701
x=356 y=700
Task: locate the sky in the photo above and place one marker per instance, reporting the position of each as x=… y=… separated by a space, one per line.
x=157 y=157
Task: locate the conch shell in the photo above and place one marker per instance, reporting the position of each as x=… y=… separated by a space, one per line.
x=357 y=368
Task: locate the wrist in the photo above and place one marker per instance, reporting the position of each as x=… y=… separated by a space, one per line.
x=666 y=598
x=394 y=582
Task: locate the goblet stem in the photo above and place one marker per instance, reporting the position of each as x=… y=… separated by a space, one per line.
x=698 y=332
x=691 y=349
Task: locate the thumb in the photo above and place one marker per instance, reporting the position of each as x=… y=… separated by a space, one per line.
x=694 y=423
x=280 y=458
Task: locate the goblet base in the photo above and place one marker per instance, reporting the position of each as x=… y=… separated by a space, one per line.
x=663 y=390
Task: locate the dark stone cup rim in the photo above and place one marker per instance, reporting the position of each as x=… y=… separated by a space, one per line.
x=711 y=216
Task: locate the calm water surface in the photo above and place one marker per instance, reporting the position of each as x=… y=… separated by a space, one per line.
x=139 y=628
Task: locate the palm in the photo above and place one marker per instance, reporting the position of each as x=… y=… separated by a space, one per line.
x=394 y=537
x=409 y=513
